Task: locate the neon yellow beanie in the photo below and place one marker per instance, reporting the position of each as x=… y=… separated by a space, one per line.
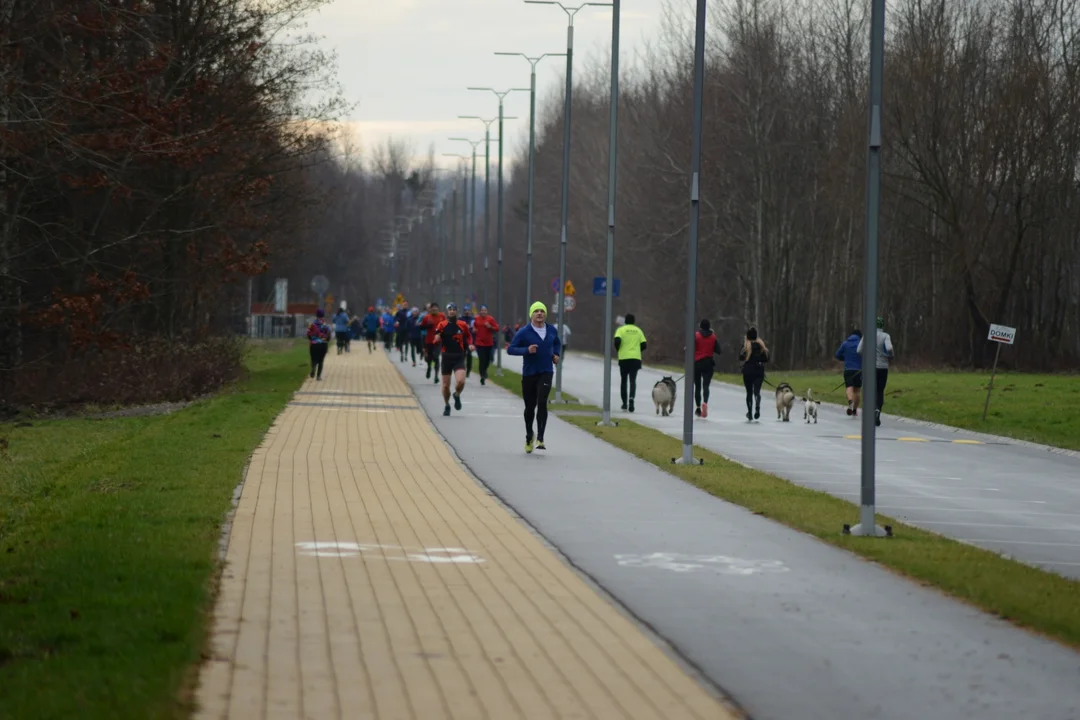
x=537 y=306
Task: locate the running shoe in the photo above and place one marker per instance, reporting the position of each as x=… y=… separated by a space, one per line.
x=528 y=445
x=704 y=409
x=540 y=445
x=446 y=410
x=457 y=401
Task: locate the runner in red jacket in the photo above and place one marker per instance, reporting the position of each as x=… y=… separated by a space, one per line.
x=705 y=346
x=455 y=338
x=431 y=350
x=485 y=330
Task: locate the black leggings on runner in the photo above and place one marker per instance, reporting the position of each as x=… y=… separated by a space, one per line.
x=882 y=380
x=752 y=383
x=318 y=356
x=484 y=355
x=703 y=372
x=535 y=389
x=628 y=370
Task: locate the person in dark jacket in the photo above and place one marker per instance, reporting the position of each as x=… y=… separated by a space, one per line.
x=415 y=333
x=318 y=335
x=539 y=347
x=848 y=352
x=705 y=346
x=401 y=333
x=754 y=355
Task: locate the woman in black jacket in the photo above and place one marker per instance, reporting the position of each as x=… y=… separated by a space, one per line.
x=754 y=356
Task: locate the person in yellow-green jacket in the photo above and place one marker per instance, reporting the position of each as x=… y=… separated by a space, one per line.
x=629 y=342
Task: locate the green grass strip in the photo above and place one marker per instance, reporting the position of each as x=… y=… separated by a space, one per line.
x=1027 y=596
x=108 y=538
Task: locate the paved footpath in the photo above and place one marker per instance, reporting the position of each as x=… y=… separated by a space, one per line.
x=1007 y=497
x=368 y=575
x=790 y=627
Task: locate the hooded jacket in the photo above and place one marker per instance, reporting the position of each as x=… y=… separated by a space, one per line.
x=849 y=352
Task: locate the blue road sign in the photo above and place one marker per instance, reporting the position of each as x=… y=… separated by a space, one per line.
x=599 y=286
x=379 y=302
x=555 y=285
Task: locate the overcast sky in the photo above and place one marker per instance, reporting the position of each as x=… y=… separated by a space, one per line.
x=406 y=64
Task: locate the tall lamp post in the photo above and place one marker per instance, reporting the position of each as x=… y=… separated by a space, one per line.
x=533 y=61
x=501 y=94
x=455 y=282
x=570 y=13
x=471 y=288
x=487 y=191
x=867 y=525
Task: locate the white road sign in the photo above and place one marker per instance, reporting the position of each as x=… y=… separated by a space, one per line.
x=1002 y=334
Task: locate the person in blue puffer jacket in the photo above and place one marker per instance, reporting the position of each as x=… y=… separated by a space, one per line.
x=371 y=327
x=539 y=347
x=848 y=352
x=341 y=329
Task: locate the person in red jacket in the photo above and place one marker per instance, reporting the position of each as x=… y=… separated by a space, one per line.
x=485 y=329
x=429 y=322
x=705 y=346
x=454 y=339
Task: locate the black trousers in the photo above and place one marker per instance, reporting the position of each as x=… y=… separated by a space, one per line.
x=703 y=372
x=318 y=355
x=484 y=356
x=535 y=389
x=882 y=375
x=628 y=370
x=752 y=383
x=417 y=346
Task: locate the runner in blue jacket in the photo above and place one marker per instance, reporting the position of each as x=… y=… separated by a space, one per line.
x=849 y=353
x=539 y=347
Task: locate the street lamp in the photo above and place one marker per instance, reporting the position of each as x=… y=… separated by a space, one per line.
x=695 y=213
x=487 y=190
x=471 y=289
x=455 y=291
x=532 y=165
x=867 y=525
x=498 y=272
x=570 y=13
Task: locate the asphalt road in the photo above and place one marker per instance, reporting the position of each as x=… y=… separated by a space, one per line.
x=788 y=626
x=1010 y=498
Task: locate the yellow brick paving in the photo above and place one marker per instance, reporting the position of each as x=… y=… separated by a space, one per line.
x=378 y=627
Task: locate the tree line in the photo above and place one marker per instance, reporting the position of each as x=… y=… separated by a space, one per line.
x=162 y=163
x=980 y=215
x=153 y=157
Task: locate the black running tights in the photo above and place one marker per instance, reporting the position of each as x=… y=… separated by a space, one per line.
x=535 y=389
x=752 y=383
x=703 y=372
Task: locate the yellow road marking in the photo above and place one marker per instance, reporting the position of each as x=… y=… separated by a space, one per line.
x=912 y=439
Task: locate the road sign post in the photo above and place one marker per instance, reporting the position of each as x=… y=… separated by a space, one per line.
x=1002 y=335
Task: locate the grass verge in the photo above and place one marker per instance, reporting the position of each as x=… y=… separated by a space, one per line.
x=108 y=537
x=1027 y=596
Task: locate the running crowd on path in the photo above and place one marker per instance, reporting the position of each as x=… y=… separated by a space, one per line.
x=446 y=342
